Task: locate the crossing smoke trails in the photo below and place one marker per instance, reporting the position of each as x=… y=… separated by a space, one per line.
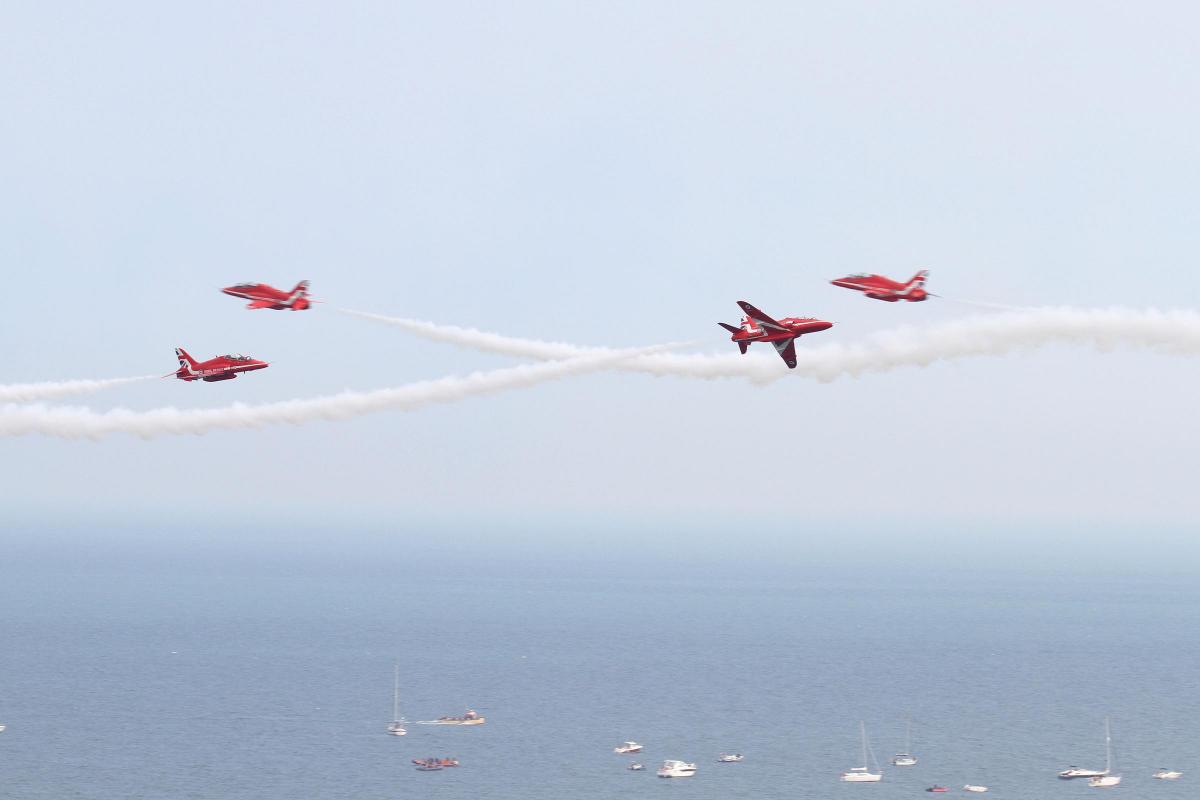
x=31 y=392
x=84 y=423
x=1176 y=332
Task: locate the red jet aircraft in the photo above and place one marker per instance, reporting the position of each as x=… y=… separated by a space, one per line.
x=221 y=368
x=881 y=288
x=758 y=327
x=262 y=296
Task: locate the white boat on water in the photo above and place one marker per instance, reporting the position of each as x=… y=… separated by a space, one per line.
x=397 y=727
x=676 y=769
x=729 y=758
x=1163 y=774
x=1079 y=772
x=1107 y=779
x=627 y=747
x=636 y=766
x=971 y=787
x=863 y=774
x=906 y=759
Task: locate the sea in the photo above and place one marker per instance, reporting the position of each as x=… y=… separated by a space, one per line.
x=189 y=675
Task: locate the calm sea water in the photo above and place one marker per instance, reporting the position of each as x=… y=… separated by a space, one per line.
x=257 y=682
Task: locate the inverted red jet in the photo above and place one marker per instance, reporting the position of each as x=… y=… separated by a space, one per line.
x=758 y=327
x=881 y=288
x=221 y=368
x=262 y=296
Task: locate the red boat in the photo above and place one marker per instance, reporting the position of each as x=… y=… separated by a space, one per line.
x=937 y=789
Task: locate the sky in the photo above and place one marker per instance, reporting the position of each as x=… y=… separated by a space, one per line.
x=608 y=174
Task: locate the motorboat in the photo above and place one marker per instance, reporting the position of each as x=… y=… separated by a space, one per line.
x=729 y=758
x=970 y=787
x=636 y=766
x=435 y=763
x=1106 y=778
x=627 y=747
x=469 y=718
x=937 y=789
x=1163 y=774
x=396 y=728
x=863 y=774
x=676 y=769
x=1079 y=772
x=428 y=764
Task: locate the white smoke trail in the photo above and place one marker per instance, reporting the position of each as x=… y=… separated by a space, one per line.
x=84 y=423
x=50 y=390
x=1175 y=332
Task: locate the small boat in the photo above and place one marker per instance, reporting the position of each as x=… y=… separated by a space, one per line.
x=1163 y=774
x=469 y=718
x=1106 y=778
x=427 y=764
x=627 y=747
x=862 y=774
x=729 y=758
x=970 y=787
x=1079 y=772
x=2 y=727
x=435 y=763
x=636 y=766
x=396 y=728
x=676 y=769
x=906 y=759
x=937 y=789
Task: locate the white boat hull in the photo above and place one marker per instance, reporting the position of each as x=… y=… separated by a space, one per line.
x=677 y=769
x=1102 y=781
x=862 y=777
x=1162 y=775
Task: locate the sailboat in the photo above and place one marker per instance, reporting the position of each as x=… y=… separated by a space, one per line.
x=906 y=759
x=1107 y=778
x=397 y=727
x=862 y=774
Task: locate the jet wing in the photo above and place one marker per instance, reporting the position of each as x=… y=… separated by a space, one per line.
x=261 y=304
x=759 y=317
x=787 y=351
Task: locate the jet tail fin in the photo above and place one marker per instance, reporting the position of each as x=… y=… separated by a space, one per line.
x=186 y=362
x=918 y=280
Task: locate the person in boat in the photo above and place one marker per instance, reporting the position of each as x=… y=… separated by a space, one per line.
x=470 y=714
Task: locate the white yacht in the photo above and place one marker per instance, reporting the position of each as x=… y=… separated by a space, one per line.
x=729 y=758
x=1079 y=772
x=863 y=774
x=971 y=787
x=1163 y=774
x=397 y=727
x=1107 y=779
x=627 y=747
x=676 y=769
x=906 y=759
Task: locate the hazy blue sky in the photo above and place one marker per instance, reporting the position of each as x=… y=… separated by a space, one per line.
x=610 y=173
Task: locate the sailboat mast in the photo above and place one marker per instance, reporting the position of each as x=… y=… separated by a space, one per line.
x=396 y=696
x=1107 y=747
x=862 y=727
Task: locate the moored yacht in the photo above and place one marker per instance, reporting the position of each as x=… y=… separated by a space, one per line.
x=396 y=728
x=676 y=769
x=863 y=774
x=627 y=747
x=1106 y=779
x=1163 y=774
x=730 y=758
x=1079 y=772
x=970 y=787
x=906 y=758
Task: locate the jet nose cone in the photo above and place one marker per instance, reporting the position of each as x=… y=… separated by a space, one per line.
x=825 y=325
